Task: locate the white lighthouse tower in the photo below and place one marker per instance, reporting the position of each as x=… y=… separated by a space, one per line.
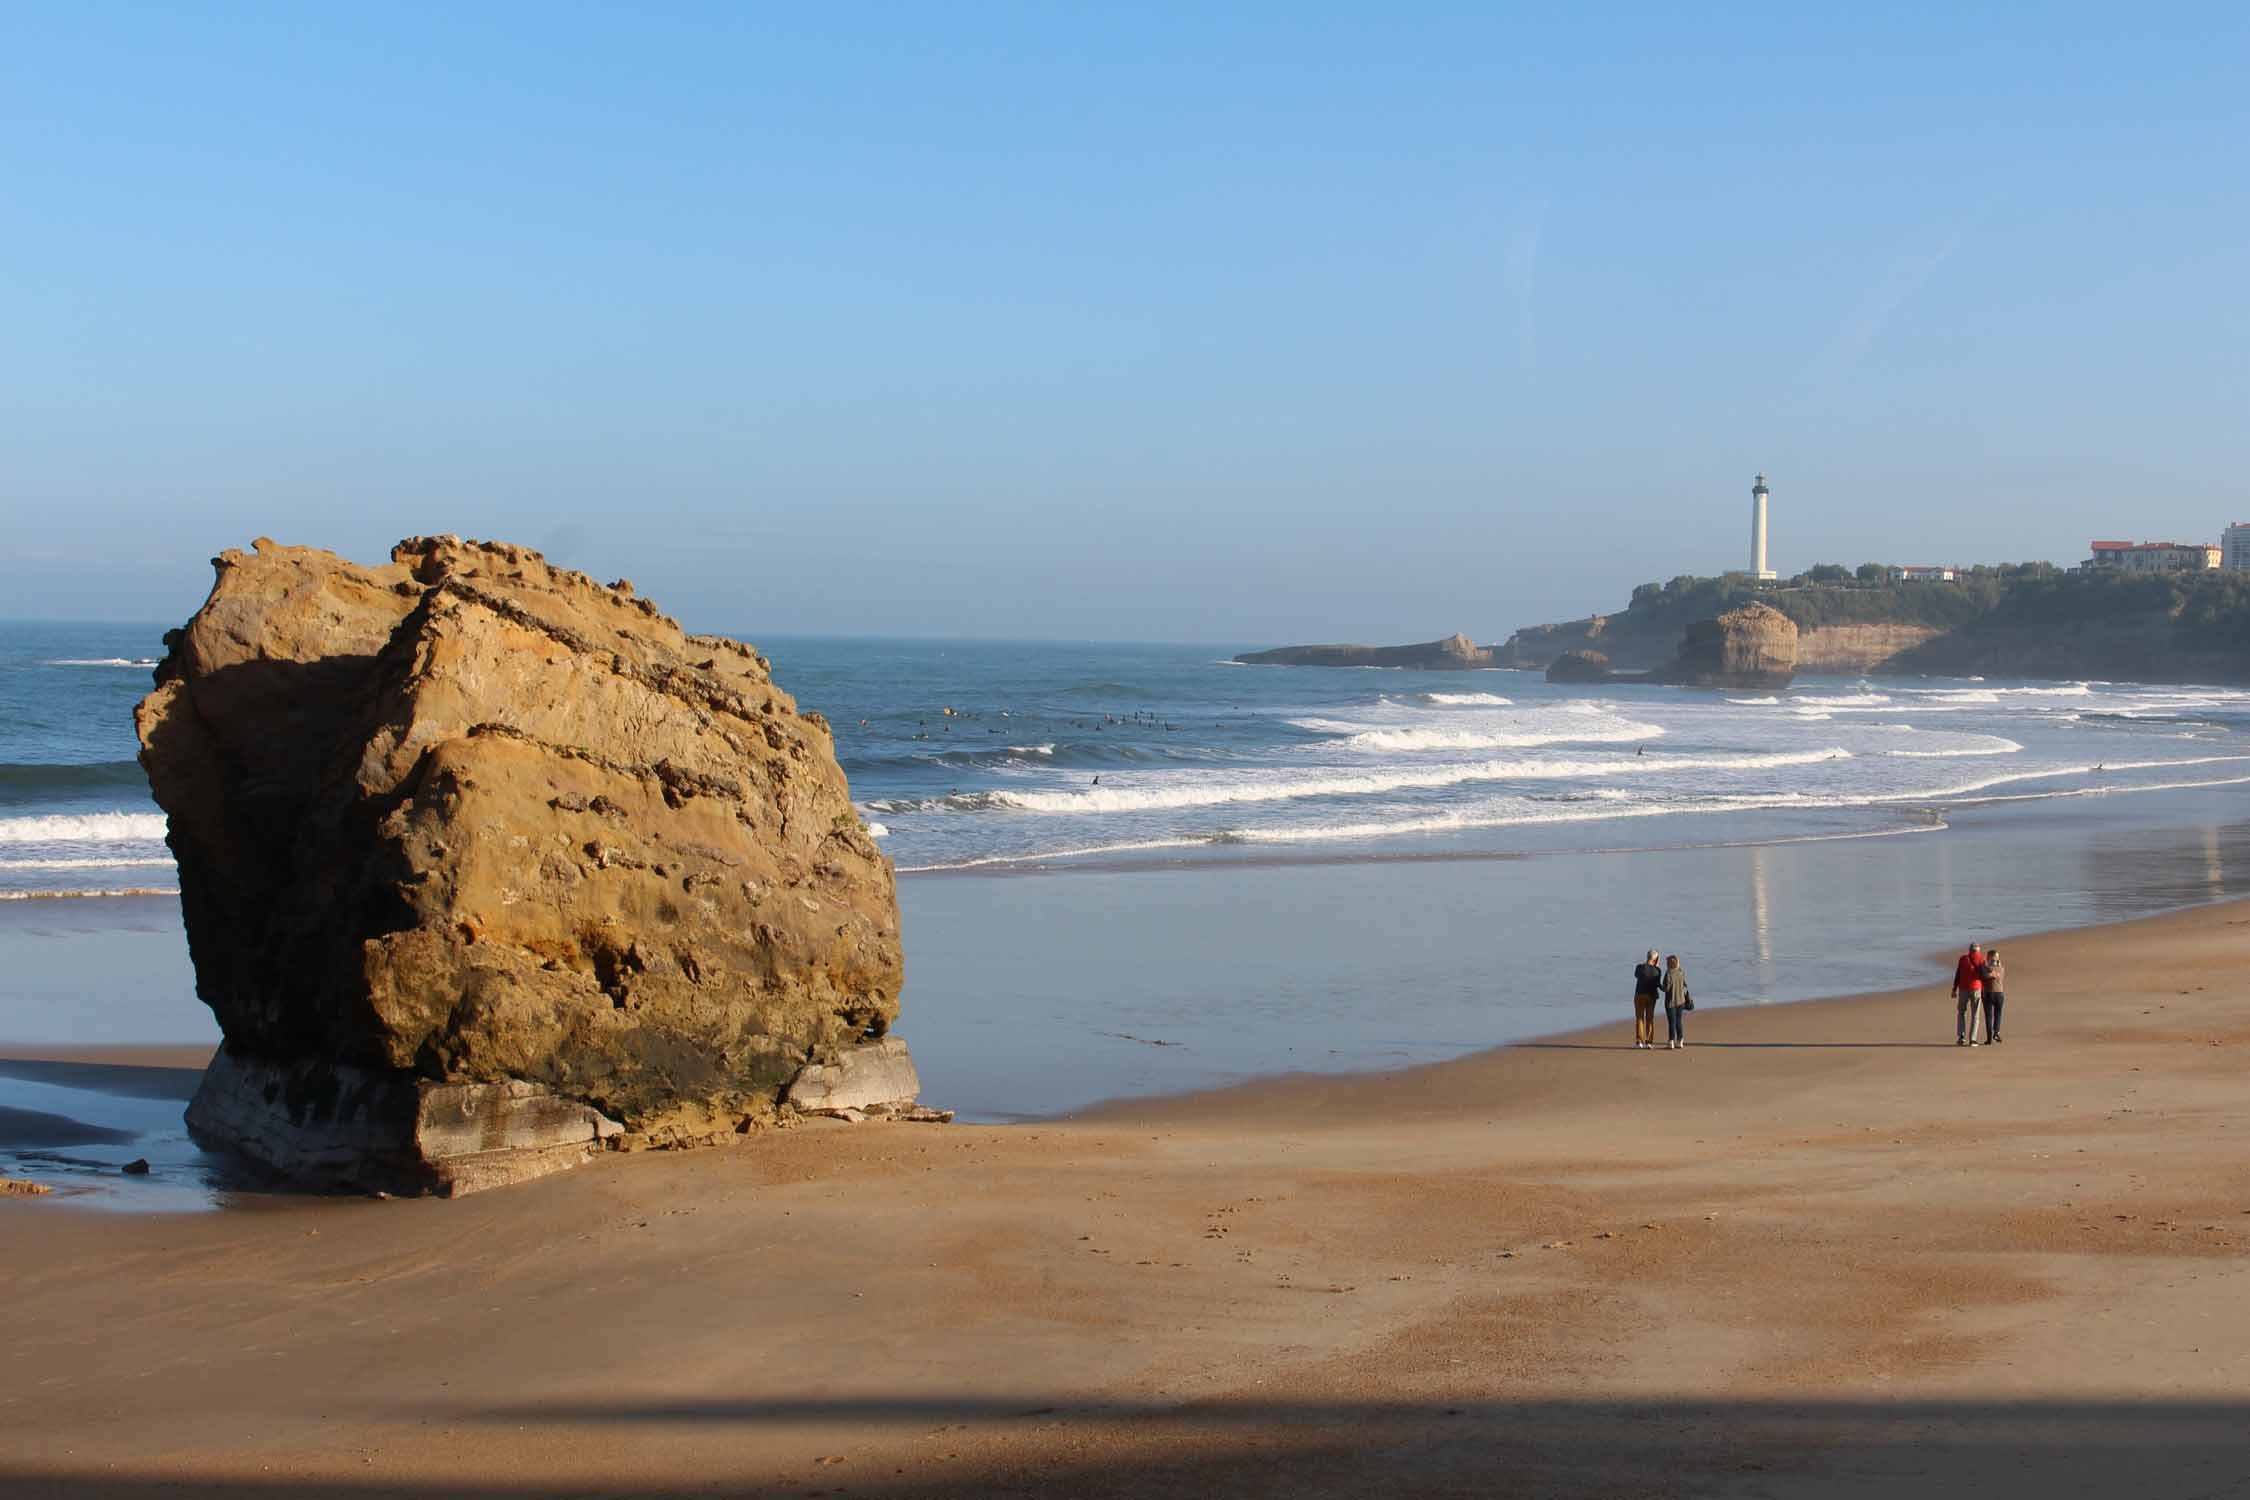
x=1758 y=568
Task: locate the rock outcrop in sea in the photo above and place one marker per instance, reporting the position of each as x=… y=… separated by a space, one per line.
x=1453 y=654
x=1579 y=666
x=1751 y=647
x=485 y=865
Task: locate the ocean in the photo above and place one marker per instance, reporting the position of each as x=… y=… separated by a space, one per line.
x=979 y=755
x=1130 y=869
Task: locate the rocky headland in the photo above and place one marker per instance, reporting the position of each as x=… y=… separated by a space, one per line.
x=1632 y=646
x=485 y=865
x=1752 y=647
x=2016 y=620
x=1454 y=653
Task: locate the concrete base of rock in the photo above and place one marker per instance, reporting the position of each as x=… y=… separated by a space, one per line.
x=871 y=1080
x=329 y=1126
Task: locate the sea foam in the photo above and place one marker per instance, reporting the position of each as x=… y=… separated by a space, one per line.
x=1251 y=787
x=84 y=828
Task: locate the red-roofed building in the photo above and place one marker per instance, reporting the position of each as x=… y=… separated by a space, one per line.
x=2151 y=557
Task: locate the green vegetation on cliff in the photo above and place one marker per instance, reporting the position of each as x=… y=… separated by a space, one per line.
x=1832 y=594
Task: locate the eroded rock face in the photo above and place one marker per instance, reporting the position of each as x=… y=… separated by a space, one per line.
x=1751 y=647
x=1579 y=666
x=469 y=819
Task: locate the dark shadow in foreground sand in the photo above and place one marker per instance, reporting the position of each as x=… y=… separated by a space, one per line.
x=917 y=1448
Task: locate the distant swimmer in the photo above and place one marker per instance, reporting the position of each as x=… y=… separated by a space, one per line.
x=2101 y=768
x=1643 y=750
x=1097 y=781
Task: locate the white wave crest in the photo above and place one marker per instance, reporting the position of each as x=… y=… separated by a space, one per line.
x=1285 y=788
x=131 y=890
x=1840 y=699
x=1046 y=749
x=1997 y=746
x=1622 y=732
x=84 y=828
x=1467 y=700
x=877 y=831
x=84 y=864
x=1577 y=722
x=1753 y=702
x=103 y=661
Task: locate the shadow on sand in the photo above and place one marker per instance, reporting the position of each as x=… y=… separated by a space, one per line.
x=916 y=1448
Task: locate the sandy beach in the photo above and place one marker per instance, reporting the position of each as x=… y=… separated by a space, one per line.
x=1821 y=1251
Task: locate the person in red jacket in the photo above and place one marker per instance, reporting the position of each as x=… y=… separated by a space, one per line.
x=1968 y=995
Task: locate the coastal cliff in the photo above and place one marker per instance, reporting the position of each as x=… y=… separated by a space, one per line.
x=1645 y=646
x=484 y=865
x=1851 y=650
x=1455 y=653
x=2024 y=620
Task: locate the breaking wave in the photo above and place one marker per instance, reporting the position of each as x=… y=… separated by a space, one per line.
x=127 y=890
x=84 y=828
x=1570 y=723
x=84 y=864
x=1998 y=746
x=1248 y=788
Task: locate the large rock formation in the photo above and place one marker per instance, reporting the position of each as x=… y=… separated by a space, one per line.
x=1455 y=653
x=1751 y=647
x=484 y=863
x=1579 y=666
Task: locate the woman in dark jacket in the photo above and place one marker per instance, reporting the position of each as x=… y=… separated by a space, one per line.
x=1675 y=1001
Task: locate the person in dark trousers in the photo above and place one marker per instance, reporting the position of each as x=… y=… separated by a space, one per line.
x=1995 y=995
x=1968 y=995
x=1676 y=1002
x=1648 y=981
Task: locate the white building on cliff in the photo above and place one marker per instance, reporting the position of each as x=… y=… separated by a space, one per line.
x=2234 y=547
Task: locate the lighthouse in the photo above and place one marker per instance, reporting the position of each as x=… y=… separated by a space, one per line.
x=1758 y=568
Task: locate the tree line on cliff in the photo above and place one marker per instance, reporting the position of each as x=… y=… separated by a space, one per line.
x=2023 y=619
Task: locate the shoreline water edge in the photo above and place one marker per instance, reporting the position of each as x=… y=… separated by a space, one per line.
x=1201 y=963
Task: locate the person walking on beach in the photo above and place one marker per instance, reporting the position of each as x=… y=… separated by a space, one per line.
x=1648 y=980
x=1676 y=1003
x=1995 y=995
x=1968 y=995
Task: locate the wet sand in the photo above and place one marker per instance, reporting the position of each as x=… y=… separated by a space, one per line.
x=1822 y=1251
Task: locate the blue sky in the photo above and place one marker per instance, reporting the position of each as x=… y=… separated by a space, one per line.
x=1252 y=323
